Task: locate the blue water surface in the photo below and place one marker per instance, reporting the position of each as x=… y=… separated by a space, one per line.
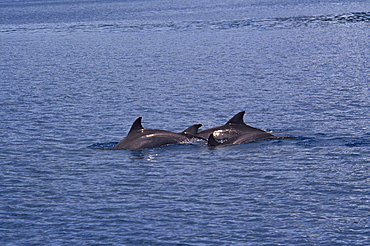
x=75 y=75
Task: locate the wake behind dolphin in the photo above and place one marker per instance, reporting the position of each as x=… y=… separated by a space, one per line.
x=142 y=138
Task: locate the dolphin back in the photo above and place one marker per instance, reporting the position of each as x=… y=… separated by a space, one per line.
x=142 y=138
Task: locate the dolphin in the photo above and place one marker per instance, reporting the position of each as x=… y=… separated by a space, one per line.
x=243 y=138
x=141 y=138
x=234 y=127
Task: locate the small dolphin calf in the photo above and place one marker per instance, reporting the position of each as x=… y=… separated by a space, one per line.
x=244 y=138
x=141 y=138
x=234 y=127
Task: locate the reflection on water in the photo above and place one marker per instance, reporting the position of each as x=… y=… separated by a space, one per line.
x=138 y=153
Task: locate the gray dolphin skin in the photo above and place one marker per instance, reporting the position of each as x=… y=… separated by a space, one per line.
x=234 y=127
x=244 y=138
x=141 y=138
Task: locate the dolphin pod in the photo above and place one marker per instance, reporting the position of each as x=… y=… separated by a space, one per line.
x=235 y=131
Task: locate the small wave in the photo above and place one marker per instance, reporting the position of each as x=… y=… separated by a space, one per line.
x=264 y=23
x=359 y=142
x=102 y=146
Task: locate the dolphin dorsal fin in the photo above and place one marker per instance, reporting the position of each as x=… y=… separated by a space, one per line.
x=136 y=126
x=212 y=141
x=237 y=119
x=193 y=130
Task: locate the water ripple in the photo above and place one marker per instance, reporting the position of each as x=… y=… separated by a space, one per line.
x=264 y=23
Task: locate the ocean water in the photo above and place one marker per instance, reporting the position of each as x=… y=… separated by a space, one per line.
x=75 y=75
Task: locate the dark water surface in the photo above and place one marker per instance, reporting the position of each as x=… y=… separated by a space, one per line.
x=76 y=74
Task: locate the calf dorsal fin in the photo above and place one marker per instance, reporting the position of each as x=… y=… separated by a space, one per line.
x=193 y=130
x=212 y=141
